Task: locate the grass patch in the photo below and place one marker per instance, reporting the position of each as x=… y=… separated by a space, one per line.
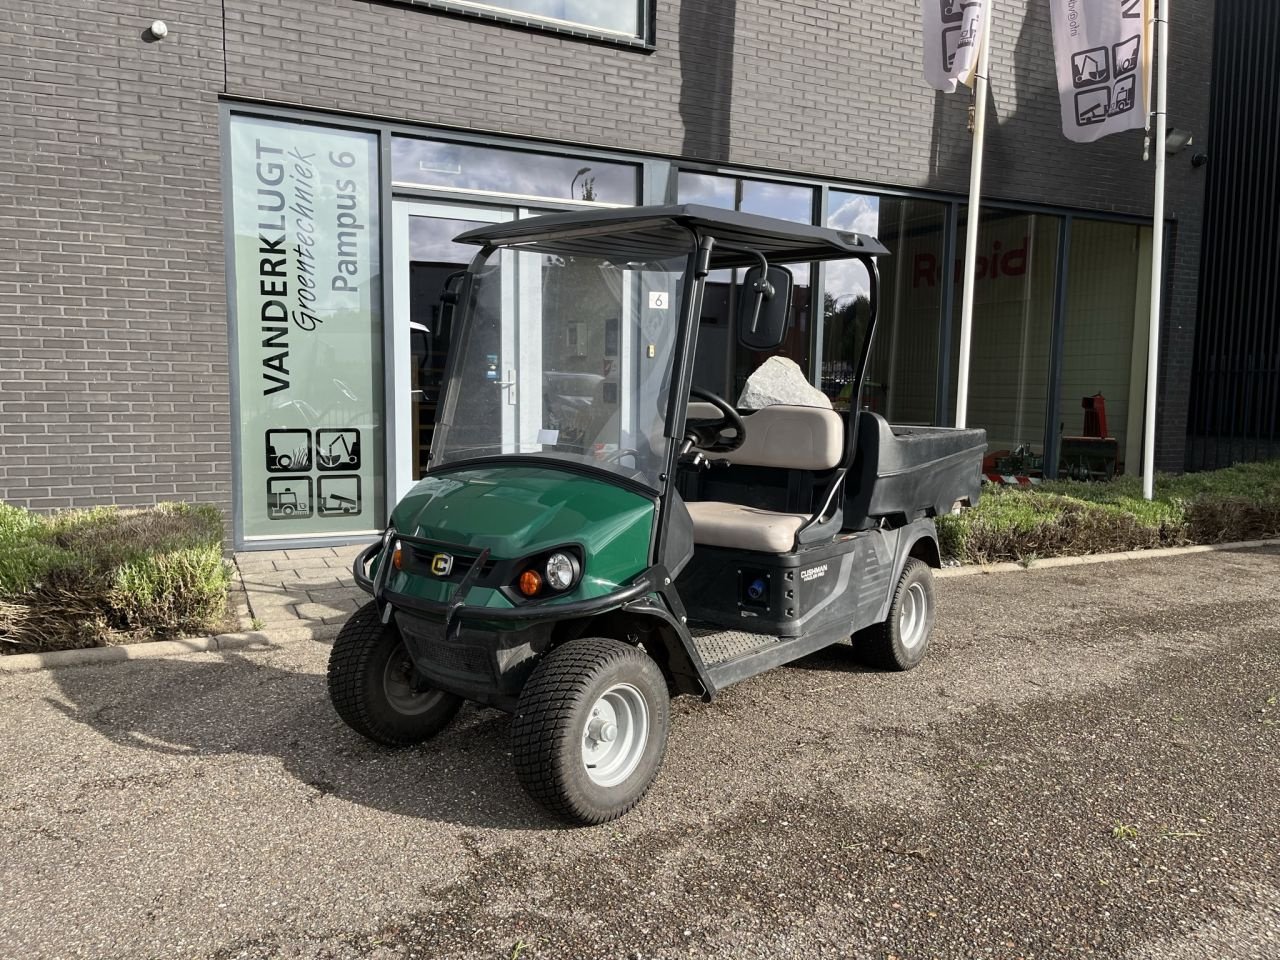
x=1072 y=518
x=85 y=578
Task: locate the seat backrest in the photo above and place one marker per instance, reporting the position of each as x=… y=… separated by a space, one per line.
x=785 y=437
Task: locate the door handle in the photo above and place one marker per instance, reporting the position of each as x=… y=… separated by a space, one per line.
x=509 y=382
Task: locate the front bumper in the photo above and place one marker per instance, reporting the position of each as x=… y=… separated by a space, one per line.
x=480 y=653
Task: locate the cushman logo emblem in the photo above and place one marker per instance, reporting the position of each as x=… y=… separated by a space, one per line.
x=442 y=564
x=813 y=573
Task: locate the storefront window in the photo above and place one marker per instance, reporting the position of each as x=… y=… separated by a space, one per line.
x=307 y=287
x=475 y=169
x=723 y=366
x=786 y=201
x=1013 y=307
x=433 y=259
x=623 y=17
x=708 y=190
x=902 y=371
x=795 y=345
x=306 y=304
x=1104 y=348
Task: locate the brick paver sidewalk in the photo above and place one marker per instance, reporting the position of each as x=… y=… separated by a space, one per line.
x=295 y=590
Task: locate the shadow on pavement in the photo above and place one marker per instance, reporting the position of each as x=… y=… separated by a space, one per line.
x=242 y=706
x=245 y=707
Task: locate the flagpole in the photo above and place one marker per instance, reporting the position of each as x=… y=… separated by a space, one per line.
x=975 y=214
x=1157 y=251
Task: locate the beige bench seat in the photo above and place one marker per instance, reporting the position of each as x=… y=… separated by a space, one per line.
x=782 y=437
x=719 y=524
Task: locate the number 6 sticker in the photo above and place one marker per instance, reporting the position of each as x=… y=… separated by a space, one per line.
x=657 y=300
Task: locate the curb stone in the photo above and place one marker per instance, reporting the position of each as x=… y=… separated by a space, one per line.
x=1050 y=563
x=270 y=639
x=163 y=649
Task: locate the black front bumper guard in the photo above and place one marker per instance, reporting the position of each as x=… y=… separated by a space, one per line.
x=454 y=611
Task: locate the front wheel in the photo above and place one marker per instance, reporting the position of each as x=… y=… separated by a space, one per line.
x=901 y=642
x=590 y=729
x=376 y=690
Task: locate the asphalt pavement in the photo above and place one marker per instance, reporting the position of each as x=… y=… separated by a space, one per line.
x=1085 y=766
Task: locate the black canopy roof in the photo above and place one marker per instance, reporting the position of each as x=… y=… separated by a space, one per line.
x=653 y=232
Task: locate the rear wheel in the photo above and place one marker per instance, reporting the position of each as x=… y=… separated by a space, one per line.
x=376 y=690
x=590 y=729
x=901 y=642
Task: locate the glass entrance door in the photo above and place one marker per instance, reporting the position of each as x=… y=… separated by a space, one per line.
x=425 y=257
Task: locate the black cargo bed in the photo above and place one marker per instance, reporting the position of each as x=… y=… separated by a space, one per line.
x=903 y=473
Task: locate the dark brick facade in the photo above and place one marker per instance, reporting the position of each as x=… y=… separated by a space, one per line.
x=113 y=333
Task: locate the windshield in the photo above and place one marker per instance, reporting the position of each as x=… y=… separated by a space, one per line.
x=567 y=357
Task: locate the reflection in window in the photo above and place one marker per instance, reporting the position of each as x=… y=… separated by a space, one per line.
x=722 y=366
x=1012 y=335
x=433 y=258
x=902 y=371
x=786 y=201
x=845 y=305
x=461 y=166
x=1099 y=415
x=431 y=241
x=708 y=190
x=624 y=17
x=795 y=345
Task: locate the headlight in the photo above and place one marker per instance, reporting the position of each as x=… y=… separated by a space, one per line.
x=547 y=575
x=561 y=571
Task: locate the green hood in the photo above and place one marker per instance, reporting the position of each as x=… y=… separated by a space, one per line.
x=516 y=511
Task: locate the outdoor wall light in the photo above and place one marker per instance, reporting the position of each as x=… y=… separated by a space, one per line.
x=157 y=31
x=1177 y=141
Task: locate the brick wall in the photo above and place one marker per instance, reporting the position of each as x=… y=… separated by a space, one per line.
x=828 y=87
x=113 y=356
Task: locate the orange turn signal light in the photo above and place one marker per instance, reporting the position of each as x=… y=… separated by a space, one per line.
x=396 y=558
x=530 y=583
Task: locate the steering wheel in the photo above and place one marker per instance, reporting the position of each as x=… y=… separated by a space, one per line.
x=709 y=435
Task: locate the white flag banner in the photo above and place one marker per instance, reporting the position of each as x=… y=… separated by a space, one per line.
x=952 y=35
x=1103 y=51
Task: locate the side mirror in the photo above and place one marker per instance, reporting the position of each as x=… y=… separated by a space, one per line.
x=764 y=305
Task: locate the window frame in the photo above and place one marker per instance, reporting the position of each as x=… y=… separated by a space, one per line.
x=637 y=168
x=642 y=40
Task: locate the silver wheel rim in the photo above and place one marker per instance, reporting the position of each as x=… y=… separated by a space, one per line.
x=913 y=620
x=615 y=734
x=397 y=685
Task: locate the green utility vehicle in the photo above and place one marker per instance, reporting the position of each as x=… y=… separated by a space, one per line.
x=595 y=533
